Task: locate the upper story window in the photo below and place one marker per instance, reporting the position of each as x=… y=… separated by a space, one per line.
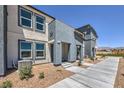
x=40 y=23
x=25 y=18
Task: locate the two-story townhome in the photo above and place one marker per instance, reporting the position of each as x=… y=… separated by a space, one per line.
x=23 y=35
x=90 y=40
x=27 y=33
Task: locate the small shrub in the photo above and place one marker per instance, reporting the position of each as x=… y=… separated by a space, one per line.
x=59 y=70
x=41 y=75
x=25 y=72
x=103 y=56
x=79 y=63
x=96 y=58
x=6 y=84
x=92 y=58
x=116 y=55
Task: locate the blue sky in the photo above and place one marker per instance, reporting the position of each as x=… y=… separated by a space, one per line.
x=108 y=21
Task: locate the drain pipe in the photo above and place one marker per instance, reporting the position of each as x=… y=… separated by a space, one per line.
x=14 y=65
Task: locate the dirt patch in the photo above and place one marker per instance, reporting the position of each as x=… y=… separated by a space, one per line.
x=95 y=61
x=89 y=61
x=84 y=66
x=119 y=82
x=52 y=75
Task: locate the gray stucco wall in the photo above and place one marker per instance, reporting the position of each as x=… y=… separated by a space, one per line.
x=51 y=29
x=16 y=32
x=63 y=33
x=78 y=43
x=89 y=44
x=87 y=48
x=93 y=44
x=2 y=40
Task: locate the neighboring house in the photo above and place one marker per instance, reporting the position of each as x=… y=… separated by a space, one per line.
x=90 y=40
x=30 y=34
x=118 y=51
x=63 y=42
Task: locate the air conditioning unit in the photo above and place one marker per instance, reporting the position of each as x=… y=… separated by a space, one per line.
x=24 y=63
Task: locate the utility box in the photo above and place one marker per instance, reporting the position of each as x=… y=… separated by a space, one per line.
x=24 y=63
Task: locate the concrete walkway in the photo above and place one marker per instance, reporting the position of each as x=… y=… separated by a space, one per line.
x=100 y=75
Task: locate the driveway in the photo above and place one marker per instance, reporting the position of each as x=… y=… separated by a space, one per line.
x=100 y=75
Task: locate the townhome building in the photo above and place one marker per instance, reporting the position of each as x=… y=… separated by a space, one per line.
x=27 y=33
x=90 y=39
x=66 y=44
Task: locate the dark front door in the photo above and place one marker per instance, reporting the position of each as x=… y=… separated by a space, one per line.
x=78 y=51
x=93 y=52
x=51 y=48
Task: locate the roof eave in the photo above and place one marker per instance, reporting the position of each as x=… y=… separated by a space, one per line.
x=41 y=12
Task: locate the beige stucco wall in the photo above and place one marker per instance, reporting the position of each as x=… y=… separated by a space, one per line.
x=16 y=32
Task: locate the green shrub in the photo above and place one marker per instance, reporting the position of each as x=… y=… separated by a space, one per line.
x=92 y=58
x=6 y=84
x=59 y=70
x=103 y=56
x=25 y=72
x=41 y=75
x=79 y=64
x=116 y=55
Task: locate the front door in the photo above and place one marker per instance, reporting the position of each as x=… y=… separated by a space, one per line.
x=51 y=51
x=65 y=52
x=93 y=52
x=78 y=51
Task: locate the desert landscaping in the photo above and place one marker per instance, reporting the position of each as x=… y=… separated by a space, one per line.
x=52 y=75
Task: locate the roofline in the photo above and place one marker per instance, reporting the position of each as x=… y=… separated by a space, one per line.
x=41 y=11
x=75 y=30
x=91 y=28
x=79 y=32
x=95 y=32
x=65 y=23
x=54 y=18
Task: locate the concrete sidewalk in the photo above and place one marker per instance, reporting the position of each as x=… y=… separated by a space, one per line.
x=101 y=75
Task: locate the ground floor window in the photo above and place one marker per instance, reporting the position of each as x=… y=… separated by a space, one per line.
x=25 y=50
x=40 y=50
x=31 y=50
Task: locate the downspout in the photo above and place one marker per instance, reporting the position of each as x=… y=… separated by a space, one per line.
x=5 y=37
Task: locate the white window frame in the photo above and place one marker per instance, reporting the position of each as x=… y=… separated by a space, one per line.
x=21 y=50
x=20 y=17
x=39 y=23
x=40 y=50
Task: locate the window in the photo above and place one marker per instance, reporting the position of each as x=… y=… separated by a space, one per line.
x=40 y=50
x=39 y=23
x=25 y=50
x=25 y=18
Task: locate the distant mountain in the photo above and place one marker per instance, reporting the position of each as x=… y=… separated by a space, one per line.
x=119 y=48
x=109 y=48
x=104 y=48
